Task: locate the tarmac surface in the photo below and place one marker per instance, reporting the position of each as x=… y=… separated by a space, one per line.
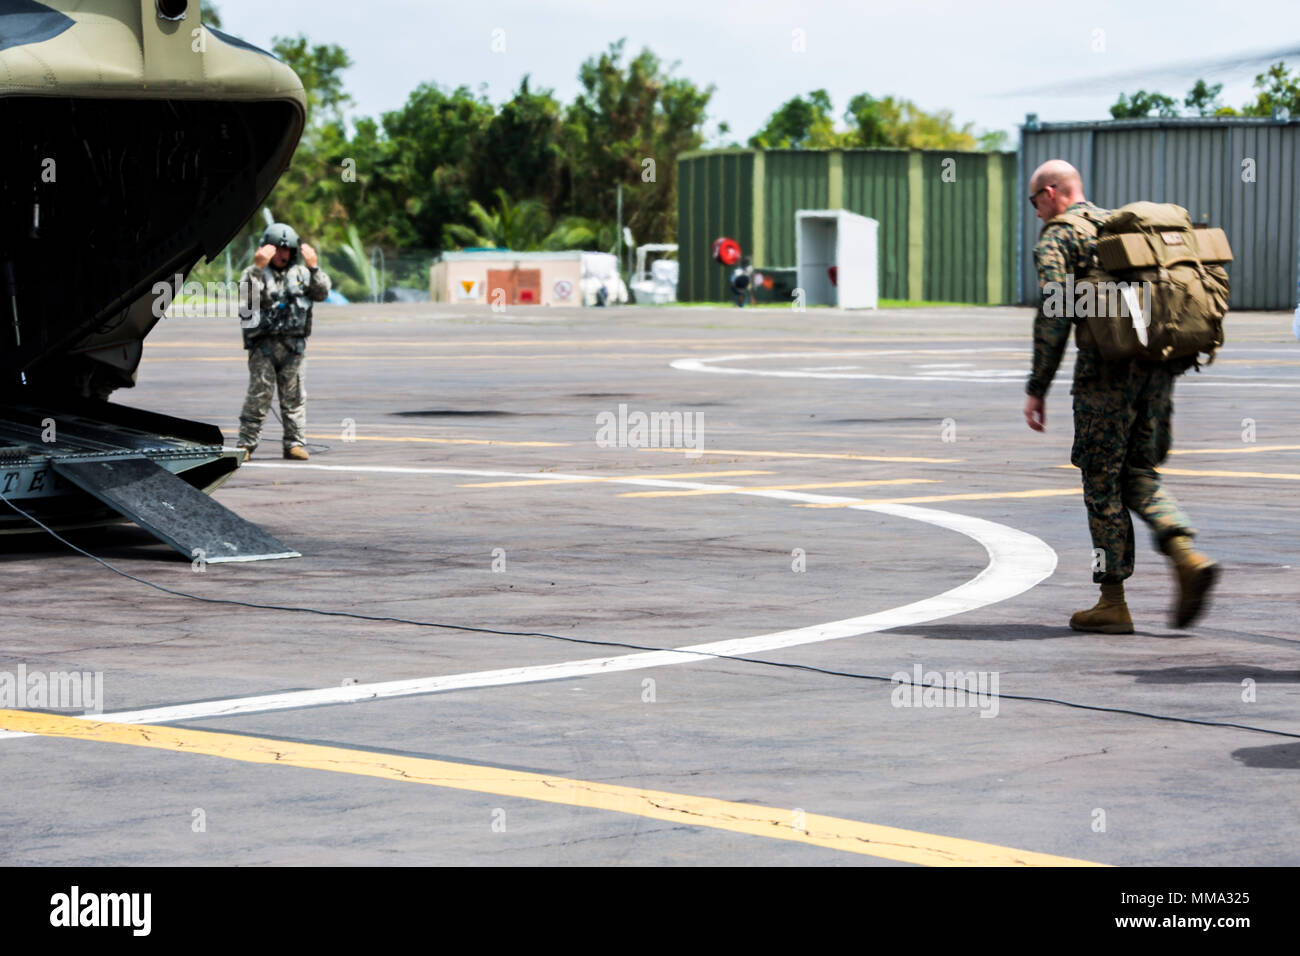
x=868 y=502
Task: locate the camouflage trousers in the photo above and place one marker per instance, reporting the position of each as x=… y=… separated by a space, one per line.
x=1123 y=427
x=274 y=363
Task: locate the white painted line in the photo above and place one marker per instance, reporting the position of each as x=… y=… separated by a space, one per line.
x=1017 y=562
x=710 y=365
x=991 y=376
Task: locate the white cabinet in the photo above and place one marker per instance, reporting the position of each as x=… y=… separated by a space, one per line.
x=837 y=258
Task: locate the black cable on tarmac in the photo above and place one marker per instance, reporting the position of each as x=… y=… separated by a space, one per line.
x=621 y=644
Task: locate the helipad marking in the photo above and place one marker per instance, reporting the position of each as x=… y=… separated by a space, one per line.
x=887 y=843
x=1017 y=562
x=712 y=365
x=741 y=489
x=989 y=376
x=598 y=478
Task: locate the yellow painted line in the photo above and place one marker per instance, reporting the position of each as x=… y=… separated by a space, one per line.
x=747 y=489
x=889 y=843
x=1243 y=449
x=812 y=454
x=974 y=496
x=451 y=441
x=570 y=481
x=1214 y=473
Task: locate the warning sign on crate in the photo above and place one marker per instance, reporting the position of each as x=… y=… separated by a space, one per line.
x=468 y=288
x=563 y=289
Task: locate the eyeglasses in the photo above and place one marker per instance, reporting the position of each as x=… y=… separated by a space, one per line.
x=1033 y=199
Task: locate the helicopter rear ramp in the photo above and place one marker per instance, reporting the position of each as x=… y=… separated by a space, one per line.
x=172 y=510
x=76 y=463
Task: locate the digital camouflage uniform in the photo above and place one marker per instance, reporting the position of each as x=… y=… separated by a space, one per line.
x=1123 y=412
x=275 y=335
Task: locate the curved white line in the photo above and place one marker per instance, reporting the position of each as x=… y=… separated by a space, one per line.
x=708 y=365
x=989 y=377
x=1017 y=562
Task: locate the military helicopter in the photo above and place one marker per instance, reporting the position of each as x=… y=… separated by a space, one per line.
x=138 y=140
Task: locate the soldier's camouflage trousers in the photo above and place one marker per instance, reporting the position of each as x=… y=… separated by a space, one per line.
x=1123 y=427
x=274 y=363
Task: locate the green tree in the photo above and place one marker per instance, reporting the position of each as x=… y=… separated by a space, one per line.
x=321 y=70
x=312 y=194
x=873 y=123
x=526 y=226
x=868 y=120
x=522 y=225
x=354 y=275
x=574 y=232
x=1203 y=99
x=1277 y=87
x=519 y=150
x=382 y=198
x=1141 y=104
x=627 y=127
x=211 y=16
x=995 y=141
x=799 y=123
x=901 y=124
x=426 y=155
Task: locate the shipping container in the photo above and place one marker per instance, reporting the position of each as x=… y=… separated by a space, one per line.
x=947 y=218
x=1237 y=173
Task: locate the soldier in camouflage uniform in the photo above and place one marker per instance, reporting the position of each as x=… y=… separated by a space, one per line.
x=1122 y=424
x=277 y=295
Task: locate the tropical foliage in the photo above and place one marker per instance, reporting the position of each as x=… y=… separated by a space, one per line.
x=1276 y=87
x=449 y=169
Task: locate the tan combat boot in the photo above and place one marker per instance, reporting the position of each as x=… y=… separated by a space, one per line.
x=1196 y=575
x=1109 y=616
x=296 y=452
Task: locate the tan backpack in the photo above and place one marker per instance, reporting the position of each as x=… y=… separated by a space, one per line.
x=1160 y=290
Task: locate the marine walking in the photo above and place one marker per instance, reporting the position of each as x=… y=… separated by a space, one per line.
x=1123 y=412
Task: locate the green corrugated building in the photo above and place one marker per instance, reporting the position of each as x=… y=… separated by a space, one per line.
x=947 y=219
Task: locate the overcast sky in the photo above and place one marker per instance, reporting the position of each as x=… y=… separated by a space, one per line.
x=963 y=55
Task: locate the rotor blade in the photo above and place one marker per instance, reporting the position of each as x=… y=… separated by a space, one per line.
x=1086 y=86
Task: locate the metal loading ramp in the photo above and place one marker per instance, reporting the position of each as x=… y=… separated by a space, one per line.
x=172 y=510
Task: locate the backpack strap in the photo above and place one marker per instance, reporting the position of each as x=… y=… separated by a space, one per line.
x=1080 y=222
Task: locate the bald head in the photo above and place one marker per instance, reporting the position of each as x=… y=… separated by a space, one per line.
x=1059 y=173
x=1055 y=186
